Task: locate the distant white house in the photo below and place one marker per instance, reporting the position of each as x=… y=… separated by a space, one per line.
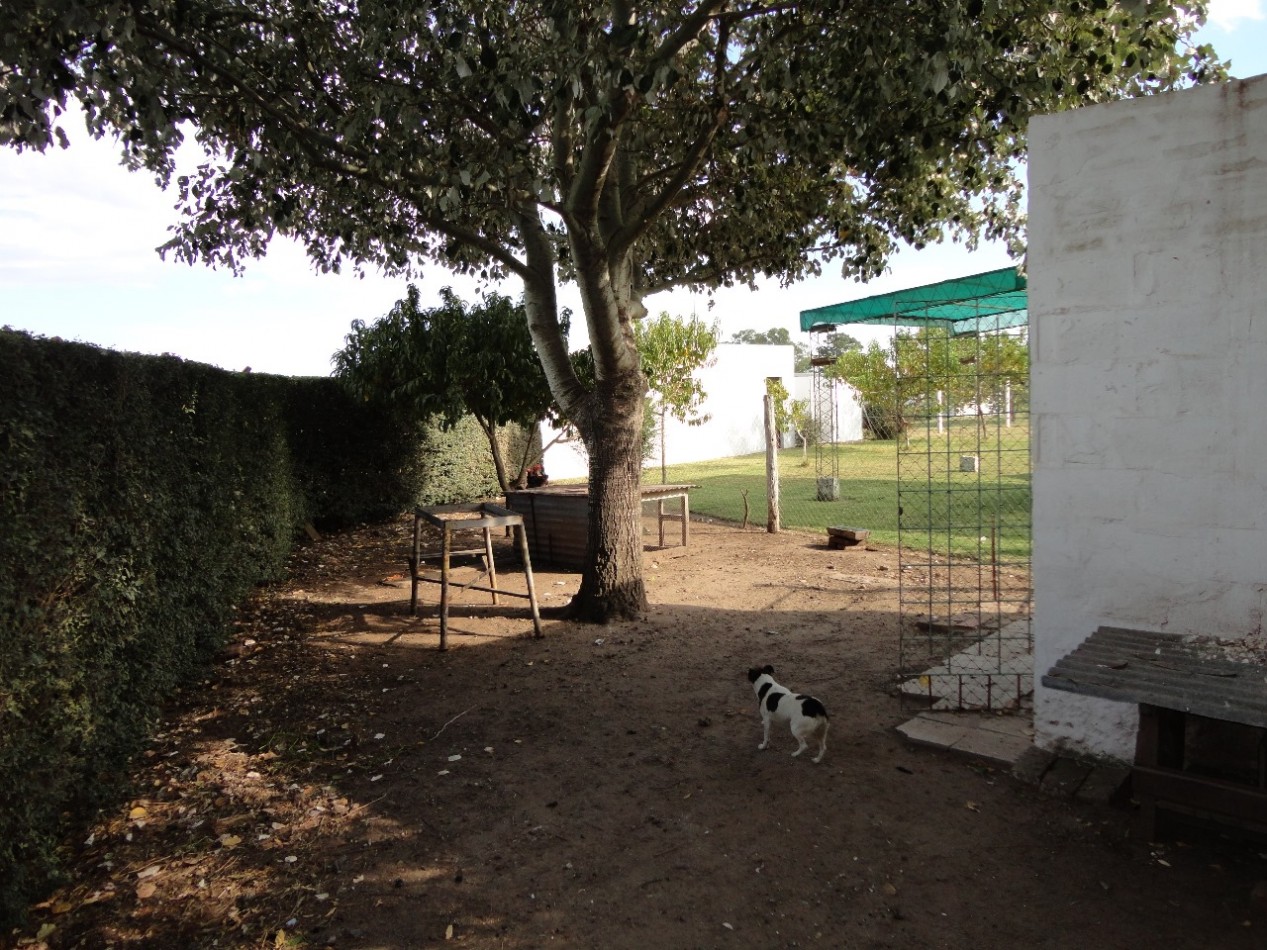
x=734 y=387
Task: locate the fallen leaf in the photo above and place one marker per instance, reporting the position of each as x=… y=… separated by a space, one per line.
x=972 y=806
x=230 y=841
x=150 y=871
x=140 y=811
x=448 y=932
x=145 y=890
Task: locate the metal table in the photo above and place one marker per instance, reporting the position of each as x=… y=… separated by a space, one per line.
x=482 y=516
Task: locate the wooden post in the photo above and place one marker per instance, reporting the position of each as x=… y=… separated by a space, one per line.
x=415 y=565
x=445 y=547
x=771 y=465
x=492 y=568
x=521 y=534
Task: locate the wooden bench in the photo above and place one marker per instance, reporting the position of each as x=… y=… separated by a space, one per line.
x=1201 y=749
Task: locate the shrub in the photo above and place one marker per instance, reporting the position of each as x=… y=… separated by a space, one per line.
x=140 y=499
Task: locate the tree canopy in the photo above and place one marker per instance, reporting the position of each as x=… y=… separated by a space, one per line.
x=628 y=147
x=672 y=349
x=830 y=345
x=450 y=361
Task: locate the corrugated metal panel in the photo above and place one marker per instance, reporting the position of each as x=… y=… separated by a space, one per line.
x=556 y=518
x=556 y=523
x=1165 y=669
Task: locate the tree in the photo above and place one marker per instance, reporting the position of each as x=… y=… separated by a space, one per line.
x=873 y=372
x=628 y=147
x=792 y=415
x=777 y=336
x=450 y=361
x=834 y=345
x=671 y=351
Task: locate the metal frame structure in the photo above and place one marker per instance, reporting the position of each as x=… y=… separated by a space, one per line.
x=827 y=422
x=963 y=489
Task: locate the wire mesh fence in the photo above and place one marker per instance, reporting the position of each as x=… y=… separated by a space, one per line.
x=951 y=491
x=963 y=491
x=734 y=489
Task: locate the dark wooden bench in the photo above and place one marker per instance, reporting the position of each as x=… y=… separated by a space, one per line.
x=1201 y=749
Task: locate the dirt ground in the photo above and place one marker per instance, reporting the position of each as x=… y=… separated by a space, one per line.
x=338 y=781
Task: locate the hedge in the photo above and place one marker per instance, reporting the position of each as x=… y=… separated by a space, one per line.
x=141 y=498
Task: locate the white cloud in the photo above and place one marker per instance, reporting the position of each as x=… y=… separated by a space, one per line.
x=1227 y=14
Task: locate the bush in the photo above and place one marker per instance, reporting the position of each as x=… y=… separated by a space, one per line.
x=140 y=500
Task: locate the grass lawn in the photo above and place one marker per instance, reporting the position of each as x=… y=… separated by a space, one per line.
x=943 y=508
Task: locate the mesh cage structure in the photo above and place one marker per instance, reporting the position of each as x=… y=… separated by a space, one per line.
x=961 y=401
x=826 y=429
x=963 y=485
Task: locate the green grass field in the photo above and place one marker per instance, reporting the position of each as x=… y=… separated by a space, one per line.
x=943 y=508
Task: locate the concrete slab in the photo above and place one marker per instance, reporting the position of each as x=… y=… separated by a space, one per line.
x=1065 y=777
x=999 y=747
x=1032 y=765
x=1000 y=739
x=1102 y=784
x=929 y=732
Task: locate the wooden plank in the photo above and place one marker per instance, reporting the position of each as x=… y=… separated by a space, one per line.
x=1165 y=670
x=1216 y=797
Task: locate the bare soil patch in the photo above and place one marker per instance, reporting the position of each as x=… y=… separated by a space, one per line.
x=337 y=781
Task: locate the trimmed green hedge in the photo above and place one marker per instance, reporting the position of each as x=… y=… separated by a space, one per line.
x=140 y=500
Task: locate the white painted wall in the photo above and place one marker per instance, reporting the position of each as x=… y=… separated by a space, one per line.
x=1148 y=315
x=848 y=406
x=735 y=389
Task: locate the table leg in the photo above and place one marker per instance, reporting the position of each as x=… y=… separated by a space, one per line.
x=660 y=512
x=492 y=568
x=413 y=567
x=686 y=519
x=445 y=545
x=532 y=589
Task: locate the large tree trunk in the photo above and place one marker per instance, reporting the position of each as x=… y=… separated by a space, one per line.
x=612 y=586
x=609 y=420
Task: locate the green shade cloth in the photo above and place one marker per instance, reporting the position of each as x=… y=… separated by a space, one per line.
x=991 y=301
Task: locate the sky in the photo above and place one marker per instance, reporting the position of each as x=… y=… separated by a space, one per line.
x=78 y=234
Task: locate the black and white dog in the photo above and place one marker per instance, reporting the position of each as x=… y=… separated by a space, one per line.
x=805 y=714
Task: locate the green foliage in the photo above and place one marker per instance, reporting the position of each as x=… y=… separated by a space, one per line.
x=903 y=379
x=630 y=149
x=873 y=373
x=834 y=345
x=792 y=415
x=450 y=362
x=869 y=494
x=140 y=499
x=830 y=345
x=672 y=350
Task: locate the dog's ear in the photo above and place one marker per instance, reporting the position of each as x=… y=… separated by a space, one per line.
x=768 y=669
x=753 y=673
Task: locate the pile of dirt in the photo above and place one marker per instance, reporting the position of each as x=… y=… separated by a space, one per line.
x=338 y=781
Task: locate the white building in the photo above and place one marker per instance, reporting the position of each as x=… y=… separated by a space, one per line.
x=734 y=387
x=847 y=405
x=1147 y=291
